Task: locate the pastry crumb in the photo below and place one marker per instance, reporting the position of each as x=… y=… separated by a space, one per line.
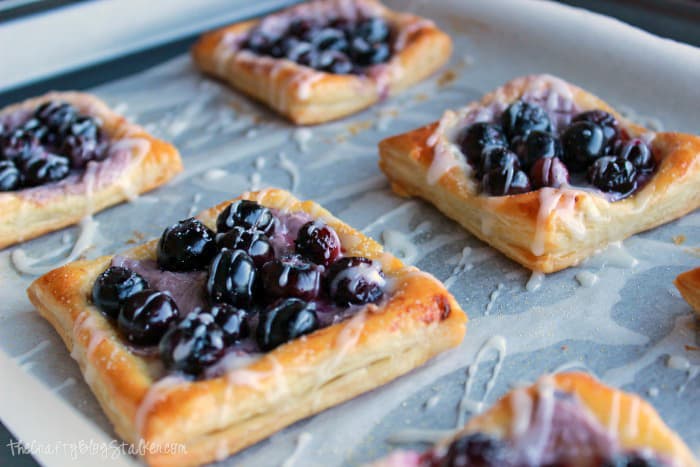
x=447 y=77
x=679 y=239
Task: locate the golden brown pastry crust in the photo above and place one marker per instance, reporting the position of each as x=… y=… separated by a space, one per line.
x=548 y=229
x=220 y=416
x=688 y=284
x=306 y=96
x=149 y=163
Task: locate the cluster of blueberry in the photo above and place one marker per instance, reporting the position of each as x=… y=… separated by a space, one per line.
x=251 y=291
x=522 y=153
x=338 y=46
x=44 y=149
x=483 y=450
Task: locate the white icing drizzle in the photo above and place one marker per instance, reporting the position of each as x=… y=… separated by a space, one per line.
x=24 y=357
x=535 y=281
x=303 y=441
x=492 y=298
x=614 y=255
x=400 y=245
x=400 y=209
x=291 y=168
x=214 y=174
x=27 y=265
x=653 y=391
x=67 y=383
x=680 y=362
x=586 y=278
x=432 y=401
x=463 y=265
x=156 y=393
x=466 y=405
x=302 y=136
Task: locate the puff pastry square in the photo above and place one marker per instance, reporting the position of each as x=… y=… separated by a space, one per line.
x=306 y=96
x=549 y=229
x=565 y=419
x=688 y=284
x=216 y=417
x=137 y=162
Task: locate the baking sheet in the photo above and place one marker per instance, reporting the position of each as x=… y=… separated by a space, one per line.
x=623 y=328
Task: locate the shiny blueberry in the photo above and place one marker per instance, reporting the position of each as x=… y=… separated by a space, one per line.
x=84 y=142
x=232 y=322
x=536 y=145
x=603 y=119
x=505 y=181
x=638 y=153
x=253 y=242
x=113 y=287
x=10 y=177
x=38 y=130
x=335 y=62
x=145 y=316
x=583 y=143
x=247 y=214
x=318 y=243
x=302 y=28
x=613 y=174
x=330 y=39
x=18 y=145
x=40 y=170
x=283 y=321
x=367 y=54
x=373 y=30
x=475 y=138
x=520 y=118
x=355 y=280
x=231 y=278
x=290 y=276
x=549 y=171
x=186 y=246
x=631 y=460
x=194 y=344
x=57 y=116
x=475 y=450
x=497 y=157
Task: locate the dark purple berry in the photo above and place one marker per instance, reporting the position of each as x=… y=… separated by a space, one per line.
x=603 y=119
x=475 y=450
x=231 y=278
x=330 y=39
x=38 y=130
x=253 y=242
x=283 y=321
x=536 y=145
x=247 y=214
x=194 y=344
x=290 y=276
x=186 y=246
x=365 y=53
x=631 y=460
x=505 y=181
x=19 y=145
x=583 y=143
x=298 y=49
x=57 y=116
x=114 y=287
x=83 y=142
x=475 y=138
x=549 y=172
x=335 y=62
x=145 y=316
x=355 y=280
x=373 y=30
x=10 y=177
x=520 y=118
x=302 y=28
x=258 y=42
x=638 y=153
x=47 y=169
x=613 y=174
x=232 y=322
x=497 y=157
x=318 y=243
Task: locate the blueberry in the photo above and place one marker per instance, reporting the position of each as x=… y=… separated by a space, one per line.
x=302 y=28
x=536 y=145
x=549 y=171
x=38 y=130
x=497 y=157
x=57 y=116
x=146 y=315
x=113 y=287
x=335 y=62
x=290 y=276
x=40 y=170
x=318 y=243
x=520 y=118
x=613 y=174
x=231 y=278
x=583 y=143
x=330 y=39
x=367 y=54
x=631 y=460
x=505 y=181
x=259 y=42
x=256 y=244
x=355 y=280
x=247 y=214
x=638 y=153
x=232 y=322
x=186 y=246
x=475 y=450
x=475 y=138
x=194 y=344
x=10 y=177
x=283 y=321
x=19 y=144
x=373 y=30
x=603 y=119
x=296 y=50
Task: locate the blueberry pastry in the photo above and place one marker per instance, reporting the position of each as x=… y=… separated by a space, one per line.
x=324 y=59
x=546 y=172
x=67 y=155
x=260 y=312
x=567 y=419
x=688 y=284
